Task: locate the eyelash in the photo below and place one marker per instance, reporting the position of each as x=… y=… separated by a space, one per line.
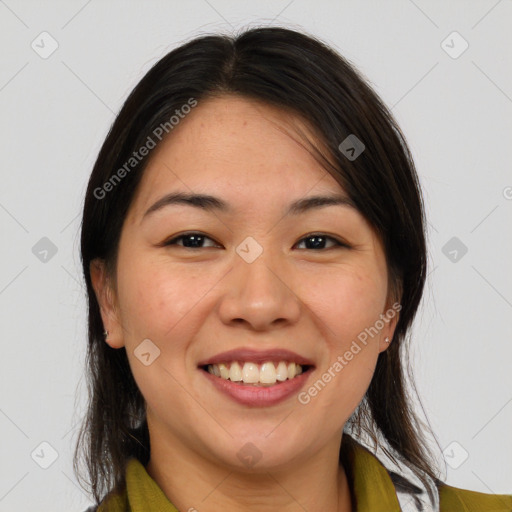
x=338 y=243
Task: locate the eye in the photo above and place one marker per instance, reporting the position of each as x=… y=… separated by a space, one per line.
x=191 y=240
x=318 y=241
x=195 y=240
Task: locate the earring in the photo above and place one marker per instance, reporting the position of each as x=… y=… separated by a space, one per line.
x=105 y=334
x=387 y=340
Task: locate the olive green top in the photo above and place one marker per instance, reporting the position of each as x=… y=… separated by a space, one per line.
x=370 y=485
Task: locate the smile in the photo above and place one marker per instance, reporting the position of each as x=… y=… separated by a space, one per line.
x=257 y=393
x=266 y=374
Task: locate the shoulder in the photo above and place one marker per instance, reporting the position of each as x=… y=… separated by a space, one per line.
x=453 y=499
x=113 y=502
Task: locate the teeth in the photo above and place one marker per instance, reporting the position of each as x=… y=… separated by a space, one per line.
x=291 y=370
x=224 y=372
x=235 y=372
x=267 y=373
x=250 y=373
x=282 y=371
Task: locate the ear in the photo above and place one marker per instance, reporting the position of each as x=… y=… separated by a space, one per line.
x=106 y=297
x=389 y=317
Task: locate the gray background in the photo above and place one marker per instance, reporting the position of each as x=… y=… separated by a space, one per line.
x=455 y=113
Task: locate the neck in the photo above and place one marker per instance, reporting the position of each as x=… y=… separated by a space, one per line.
x=192 y=482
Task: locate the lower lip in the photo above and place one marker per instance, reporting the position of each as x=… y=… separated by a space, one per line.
x=259 y=396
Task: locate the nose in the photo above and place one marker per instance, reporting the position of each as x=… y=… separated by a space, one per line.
x=259 y=296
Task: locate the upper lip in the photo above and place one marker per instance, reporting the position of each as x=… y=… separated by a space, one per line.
x=257 y=356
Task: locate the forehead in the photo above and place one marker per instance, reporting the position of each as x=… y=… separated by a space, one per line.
x=239 y=149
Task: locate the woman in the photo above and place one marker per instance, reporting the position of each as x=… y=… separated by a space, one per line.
x=254 y=253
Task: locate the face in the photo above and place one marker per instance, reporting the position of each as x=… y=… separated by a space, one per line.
x=278 y=285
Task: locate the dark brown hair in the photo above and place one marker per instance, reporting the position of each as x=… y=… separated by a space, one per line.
x=298 y=73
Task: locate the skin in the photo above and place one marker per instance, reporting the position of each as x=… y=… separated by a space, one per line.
x=195 y=303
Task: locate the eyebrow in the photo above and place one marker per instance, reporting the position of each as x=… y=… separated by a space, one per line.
x=211 y=203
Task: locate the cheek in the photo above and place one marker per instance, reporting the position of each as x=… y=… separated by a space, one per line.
x=347 y=301
x=168 y=305
x=347 y=304
x=154 y=297
x=163 y=305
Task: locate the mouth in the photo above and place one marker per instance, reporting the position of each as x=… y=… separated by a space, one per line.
x=248 y=373
x=256 y=378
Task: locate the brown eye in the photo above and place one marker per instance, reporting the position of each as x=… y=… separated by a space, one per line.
x=192 y=240
x=318 y=241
